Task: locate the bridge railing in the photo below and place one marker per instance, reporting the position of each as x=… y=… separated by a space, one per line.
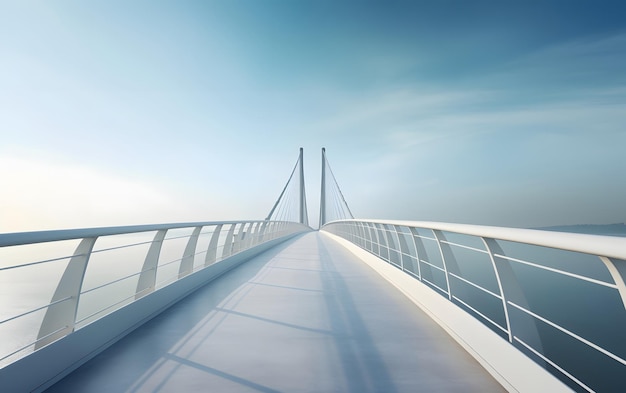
x=557 y=297
x=48 y=291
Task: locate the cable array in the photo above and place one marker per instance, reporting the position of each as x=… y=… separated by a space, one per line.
x=333 y=205
x=291 y=204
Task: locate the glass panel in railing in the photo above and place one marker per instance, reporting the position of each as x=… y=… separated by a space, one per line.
x=112 y=274
x=224 y=234
x=405 y=233
x=349 y=232
x=238 y=227
x=473 y=265
x=253 y=234
x=382 y=241
x=202 y=247
x=487 y=307
x=394 y=248
x=575 y=302
x=171 y=255
x=361 y=235
x=587 y=309
x=114 y=257
x=390 y=236
x=569 y=318
x=29 y=274
x=410 y=265
x=473 y=281
x=594 y=370
x=238 y=236
x=409 y=259
x=345 y=229
x=427 y=247
x=375 y=248
x=24 y=289
x=19 y=336
x=568 y=261
x=430 y=262
x=102 y=301
x=464 y=240
x=434 y=276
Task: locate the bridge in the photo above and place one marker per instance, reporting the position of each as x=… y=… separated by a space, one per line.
x=275 y=306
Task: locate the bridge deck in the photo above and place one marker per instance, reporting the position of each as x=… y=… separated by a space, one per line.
x=304 y=316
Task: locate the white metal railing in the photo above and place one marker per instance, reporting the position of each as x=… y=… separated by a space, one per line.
x=47 y=291
x=558 y=297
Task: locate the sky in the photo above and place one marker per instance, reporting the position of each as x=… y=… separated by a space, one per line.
x=482 y=112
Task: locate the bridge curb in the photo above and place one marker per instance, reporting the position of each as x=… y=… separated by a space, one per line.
x=41 y=369
x=511 y=368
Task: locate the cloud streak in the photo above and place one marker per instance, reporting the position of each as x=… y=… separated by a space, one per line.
x=473 y=113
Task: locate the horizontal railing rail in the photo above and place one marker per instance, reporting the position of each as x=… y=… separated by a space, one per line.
x=48 y=291
x=558 y=297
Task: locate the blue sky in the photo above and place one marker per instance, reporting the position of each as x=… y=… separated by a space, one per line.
x=482 y=112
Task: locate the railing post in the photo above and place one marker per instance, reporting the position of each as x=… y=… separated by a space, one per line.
x=147 y=277
x=439 y=236
x=211 y=252
x=248 y=236
x=228 y=243
x=280 y=229
x=364 y=234
x=257 y=234
x=186 y=264
x=60 y=317
x=374 y=229
x=272 y=228
x=358 y=235
x=262 y=231
x=512 y=290
x=618 y=272
x=382 y=240
x=388 y=229
x=415 y=235
x=239 y=238
x=404 y=247
x=495 y=270
x=254 y=229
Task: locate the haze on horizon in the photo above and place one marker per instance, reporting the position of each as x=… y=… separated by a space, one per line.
x=462 y=111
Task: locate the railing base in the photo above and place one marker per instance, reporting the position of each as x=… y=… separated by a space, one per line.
x=511 y=368
x=41 y=369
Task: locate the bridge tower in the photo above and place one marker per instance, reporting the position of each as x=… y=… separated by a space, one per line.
x=283 y=209
x=338 y=208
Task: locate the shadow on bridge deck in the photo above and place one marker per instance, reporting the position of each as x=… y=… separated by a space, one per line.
x=305 y=316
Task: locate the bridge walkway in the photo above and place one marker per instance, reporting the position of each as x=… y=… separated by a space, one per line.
x=305 y=316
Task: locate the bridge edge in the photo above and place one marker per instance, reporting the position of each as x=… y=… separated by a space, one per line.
x=508 y=366
x=88 y=342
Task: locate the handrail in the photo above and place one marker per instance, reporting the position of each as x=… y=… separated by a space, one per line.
x=559 y=298
x=222 y=239
x=21 y=238
x=608 y=246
